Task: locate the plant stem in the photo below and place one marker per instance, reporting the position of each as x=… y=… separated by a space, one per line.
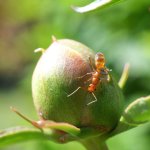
x=94 y=143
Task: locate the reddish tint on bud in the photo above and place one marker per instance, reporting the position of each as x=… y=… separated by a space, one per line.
x=58 y=73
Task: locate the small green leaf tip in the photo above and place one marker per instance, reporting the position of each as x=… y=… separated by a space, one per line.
x=94 y=5
x=137 y=112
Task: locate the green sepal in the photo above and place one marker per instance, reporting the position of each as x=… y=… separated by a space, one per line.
x=43 y=124
x=65 y=127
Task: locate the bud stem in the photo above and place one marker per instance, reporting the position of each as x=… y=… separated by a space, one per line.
x=94 y=143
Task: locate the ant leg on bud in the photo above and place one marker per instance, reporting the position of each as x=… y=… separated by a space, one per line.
x=77 y=91
x=89 y=73
x=74 y=91
x=94 y=98
x=88 y=80
x=34 y=123
x=85 y=75
x=80 y=86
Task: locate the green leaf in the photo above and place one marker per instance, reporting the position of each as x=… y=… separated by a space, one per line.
x=95 y=5
x=138 y=112
x=23 y=134
x=20 y=134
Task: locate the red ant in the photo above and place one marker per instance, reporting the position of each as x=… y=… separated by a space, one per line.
x=98 y=74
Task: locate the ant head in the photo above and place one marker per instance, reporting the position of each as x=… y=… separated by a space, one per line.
x=99 y=60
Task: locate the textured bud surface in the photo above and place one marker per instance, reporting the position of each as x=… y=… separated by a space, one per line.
x=56 y=76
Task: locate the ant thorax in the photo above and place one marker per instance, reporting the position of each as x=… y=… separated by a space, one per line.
x=104 y=76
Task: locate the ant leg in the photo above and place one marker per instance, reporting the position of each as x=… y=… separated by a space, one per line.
x=85 y=75
x=88 y=72
x=74 y=91
x=86 y=90
x=88 y=80
x=91 y=64
x=94 y=100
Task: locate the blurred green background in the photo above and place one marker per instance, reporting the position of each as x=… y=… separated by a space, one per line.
x=121 y=32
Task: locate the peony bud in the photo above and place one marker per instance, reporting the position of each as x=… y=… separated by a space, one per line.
x=58 y=73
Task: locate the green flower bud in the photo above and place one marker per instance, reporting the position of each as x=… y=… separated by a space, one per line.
x=58 y=73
